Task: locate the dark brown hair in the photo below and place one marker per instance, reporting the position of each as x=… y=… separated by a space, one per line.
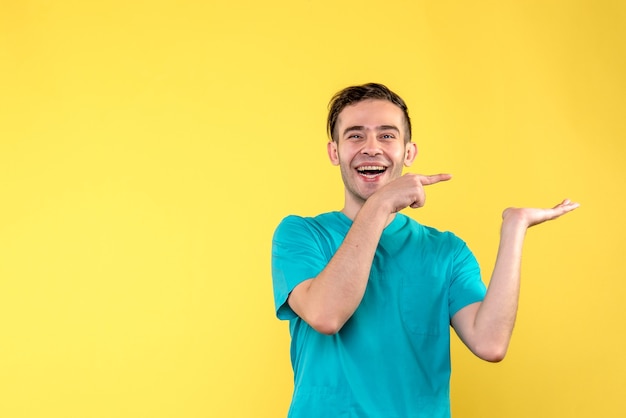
x=355 y=94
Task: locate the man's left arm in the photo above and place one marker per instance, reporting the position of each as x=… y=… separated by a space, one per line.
x=486 y=327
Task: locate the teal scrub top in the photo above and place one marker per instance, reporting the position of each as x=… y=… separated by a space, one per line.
x=392 y=357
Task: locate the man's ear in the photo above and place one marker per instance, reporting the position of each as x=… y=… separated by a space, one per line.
x=410 y=153
x=332 y=152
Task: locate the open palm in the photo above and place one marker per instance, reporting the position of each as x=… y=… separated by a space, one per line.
x=535 y=216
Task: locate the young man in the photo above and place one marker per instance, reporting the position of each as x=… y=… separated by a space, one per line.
x=370 y=293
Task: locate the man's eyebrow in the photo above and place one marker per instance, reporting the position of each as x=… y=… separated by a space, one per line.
x=387 y=128
x=378 y=128
x=353 y=128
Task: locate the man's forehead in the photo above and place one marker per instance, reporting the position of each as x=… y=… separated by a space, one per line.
x=371 y=114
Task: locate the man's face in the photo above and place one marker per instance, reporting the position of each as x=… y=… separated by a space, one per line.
x=370 y=148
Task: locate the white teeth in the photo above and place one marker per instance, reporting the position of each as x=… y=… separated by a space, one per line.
x=371 y=171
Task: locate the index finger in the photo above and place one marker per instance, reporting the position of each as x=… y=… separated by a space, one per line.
x=435 y=178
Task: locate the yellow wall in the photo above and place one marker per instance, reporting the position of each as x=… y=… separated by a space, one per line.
x=149 y=148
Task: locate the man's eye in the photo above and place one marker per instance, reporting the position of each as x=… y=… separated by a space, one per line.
x=388 y=136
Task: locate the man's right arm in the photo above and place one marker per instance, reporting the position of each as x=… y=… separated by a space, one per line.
x=327 y=301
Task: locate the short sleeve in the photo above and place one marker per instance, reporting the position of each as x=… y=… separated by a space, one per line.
x=466 y=285
x=296 y=256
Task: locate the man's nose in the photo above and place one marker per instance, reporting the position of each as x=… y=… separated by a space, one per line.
x=371 y=146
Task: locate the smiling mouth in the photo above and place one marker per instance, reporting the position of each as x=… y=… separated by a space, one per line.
x=371 y=171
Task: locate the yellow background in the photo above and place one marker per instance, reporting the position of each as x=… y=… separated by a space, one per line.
x=149 y=148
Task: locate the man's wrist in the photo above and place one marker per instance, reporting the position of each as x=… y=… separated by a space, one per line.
x=375 y=209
